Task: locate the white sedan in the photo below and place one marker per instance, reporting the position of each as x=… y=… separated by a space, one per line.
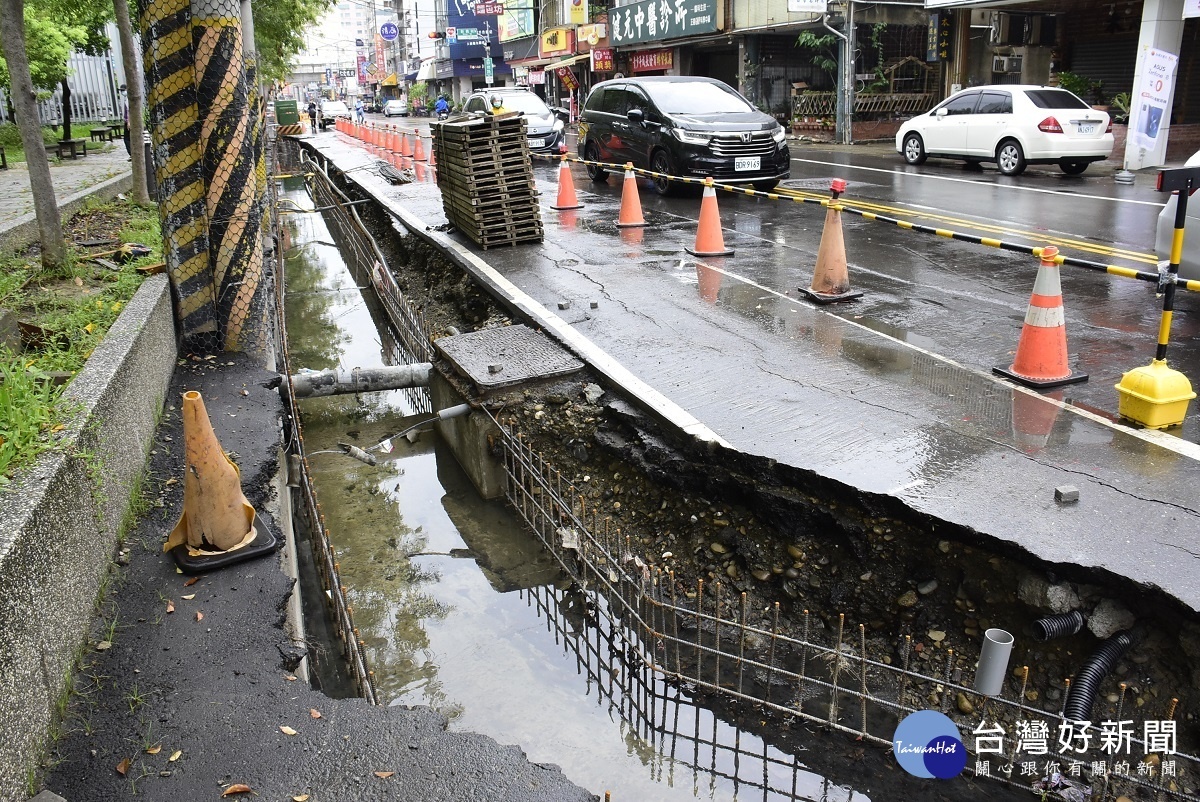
x=1012 y=125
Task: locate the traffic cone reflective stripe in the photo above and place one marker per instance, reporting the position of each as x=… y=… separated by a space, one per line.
x=831 y=275
x=631 y=202
x=710 y=241
x=566 y=188
x=1041 y=359
x=216 y=516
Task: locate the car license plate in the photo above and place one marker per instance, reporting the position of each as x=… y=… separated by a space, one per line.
x=1087 y=129
x=537 y=143
x=747 y=163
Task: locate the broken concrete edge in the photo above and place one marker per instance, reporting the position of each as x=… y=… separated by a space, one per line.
x=517 y=301
x=24 y=229
x=60 y=521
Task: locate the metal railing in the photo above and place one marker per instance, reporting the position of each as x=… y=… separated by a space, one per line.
x=706 y=639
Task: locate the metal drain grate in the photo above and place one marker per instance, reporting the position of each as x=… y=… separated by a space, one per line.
x=502 y=357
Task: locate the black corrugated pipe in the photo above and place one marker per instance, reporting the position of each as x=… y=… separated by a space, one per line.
x=1086 y=683
x=1058 y=626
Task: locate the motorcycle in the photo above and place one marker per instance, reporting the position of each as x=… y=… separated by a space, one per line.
x=443 y=115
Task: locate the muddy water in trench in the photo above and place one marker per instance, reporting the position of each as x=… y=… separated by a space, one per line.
x=450 y=594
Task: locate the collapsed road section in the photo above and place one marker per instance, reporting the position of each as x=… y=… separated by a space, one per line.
x=735 y=575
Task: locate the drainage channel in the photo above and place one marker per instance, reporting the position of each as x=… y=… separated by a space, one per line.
x=461 y=608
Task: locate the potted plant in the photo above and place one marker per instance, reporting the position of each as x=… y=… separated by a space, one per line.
x=1120 y=108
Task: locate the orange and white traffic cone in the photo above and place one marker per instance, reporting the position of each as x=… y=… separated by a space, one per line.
x=631 y=202
x=406 y=148
x=1041 y=359
x=566 y=188
x=432 y=151
x=831 y=276
x=710 y=241
x=215 y=513
x=419 y=150
x=1033 y=418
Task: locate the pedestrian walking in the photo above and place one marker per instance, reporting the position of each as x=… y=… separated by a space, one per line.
x=359 y=111
x=312 y=116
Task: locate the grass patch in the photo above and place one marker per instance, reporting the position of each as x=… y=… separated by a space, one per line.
x=14 y=150
x=63 y=315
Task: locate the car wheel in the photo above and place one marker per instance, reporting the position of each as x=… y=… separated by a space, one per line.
x=595 y=172
x=766 y=186
x=1073 y=168
x=914 y=149
x=1010 y=158
x=660 y=162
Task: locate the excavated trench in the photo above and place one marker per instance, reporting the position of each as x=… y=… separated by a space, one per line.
x=740 y=533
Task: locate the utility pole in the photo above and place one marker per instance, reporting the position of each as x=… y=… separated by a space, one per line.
x=487 y=54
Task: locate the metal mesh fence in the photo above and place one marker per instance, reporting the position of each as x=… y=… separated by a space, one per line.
x=706 y=638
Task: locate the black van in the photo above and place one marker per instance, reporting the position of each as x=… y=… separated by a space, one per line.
x=684 y=126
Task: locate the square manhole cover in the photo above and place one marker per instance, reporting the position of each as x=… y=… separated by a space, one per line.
x=506 y=356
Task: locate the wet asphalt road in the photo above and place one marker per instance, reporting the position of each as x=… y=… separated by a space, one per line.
x=892 y=395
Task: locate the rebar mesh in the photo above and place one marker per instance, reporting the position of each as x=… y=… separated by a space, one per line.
x=706 y=639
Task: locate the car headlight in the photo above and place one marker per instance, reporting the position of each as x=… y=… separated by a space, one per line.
x=689 y=137
x=558 y=125
x=779 y=134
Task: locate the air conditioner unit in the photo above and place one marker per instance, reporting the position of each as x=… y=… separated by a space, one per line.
x=1012 y=64
x=999 y=64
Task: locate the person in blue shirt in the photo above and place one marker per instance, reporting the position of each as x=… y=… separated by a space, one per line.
x=442 y=106
x=359 y=111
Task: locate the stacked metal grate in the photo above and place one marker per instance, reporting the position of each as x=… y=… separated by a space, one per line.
x=486 y=178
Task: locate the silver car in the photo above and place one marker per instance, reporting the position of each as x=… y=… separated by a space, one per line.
x=1189 y=262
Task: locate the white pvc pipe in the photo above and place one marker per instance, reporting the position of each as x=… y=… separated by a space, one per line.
x=993 y=662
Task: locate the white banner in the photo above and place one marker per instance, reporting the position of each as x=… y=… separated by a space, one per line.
x=1149 y=111
x=1191 y=8
x=811 y=6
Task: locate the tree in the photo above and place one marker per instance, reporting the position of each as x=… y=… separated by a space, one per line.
x=278 y=33
x=12 y=36
x=133 y=82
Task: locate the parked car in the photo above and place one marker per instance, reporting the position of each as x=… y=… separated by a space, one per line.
x=331 y=110
x=1189 y=261
x=682 y=126
x=395 y=108
x=1012 y=125
x=545 y=129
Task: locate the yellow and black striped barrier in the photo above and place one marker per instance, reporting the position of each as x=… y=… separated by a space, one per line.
x=991 y=242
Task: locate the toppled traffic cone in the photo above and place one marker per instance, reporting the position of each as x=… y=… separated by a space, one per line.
x=218 y=526
x=831 y=277
x=710 y=241
x=1041 y=359
x=631 y=202
x=566 y=188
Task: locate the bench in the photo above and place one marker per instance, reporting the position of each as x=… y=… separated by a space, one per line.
x=101 y=133
x=118 y=130
x=72 y=145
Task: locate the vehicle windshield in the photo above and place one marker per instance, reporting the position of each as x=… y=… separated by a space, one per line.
x=334 y=106
x=523 y=101
x=1055 y=99
x=694 y=97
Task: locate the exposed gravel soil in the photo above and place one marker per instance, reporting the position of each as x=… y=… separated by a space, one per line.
x=787 y=537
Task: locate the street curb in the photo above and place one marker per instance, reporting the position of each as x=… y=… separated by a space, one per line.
x=62 y=518
x=24 y=229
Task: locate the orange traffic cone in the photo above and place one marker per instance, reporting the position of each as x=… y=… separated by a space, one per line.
x=631 y=202
x=566 y=188
x=419 y=150
x=709 y=239
x=405 y=146
x=432 y=158
x=831 y=278
x=1041 y=359
x=217 y=519
x=709 y=282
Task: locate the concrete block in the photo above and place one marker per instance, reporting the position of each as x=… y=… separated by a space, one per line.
x=1065 y=494
x=468 y=438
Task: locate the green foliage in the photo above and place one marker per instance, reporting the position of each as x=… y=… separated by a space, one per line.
x=1120 y=107
x=279 y=33
x=49 y=43
x=1087 y=89
x=821 y=50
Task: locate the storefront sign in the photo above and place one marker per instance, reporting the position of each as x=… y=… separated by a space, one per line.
x=537 y=77
x=557 y=42
x=653 y=20
x=603 y=60
x=489 y=9
x=568 y=78
x=576 y=11
x=1149 y=112
x=807 y=6
x=939 y=44
x=592 y=34
x=653 y=60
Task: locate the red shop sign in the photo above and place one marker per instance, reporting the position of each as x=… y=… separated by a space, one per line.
x=568 y=78
x=603 y=60
x=653 y=60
